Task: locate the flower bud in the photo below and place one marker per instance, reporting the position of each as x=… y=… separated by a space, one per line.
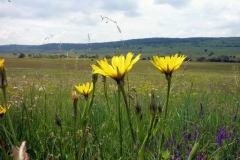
x=58 y=121
x=94 y=78
x=153 y=105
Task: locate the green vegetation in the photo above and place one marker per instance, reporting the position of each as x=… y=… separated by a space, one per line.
x=203 y=119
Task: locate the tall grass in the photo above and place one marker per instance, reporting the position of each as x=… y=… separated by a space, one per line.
x=203 y=109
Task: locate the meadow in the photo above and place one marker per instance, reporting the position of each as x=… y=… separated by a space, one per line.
x=202 y=122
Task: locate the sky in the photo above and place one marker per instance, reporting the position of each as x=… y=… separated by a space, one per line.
x=37 y=22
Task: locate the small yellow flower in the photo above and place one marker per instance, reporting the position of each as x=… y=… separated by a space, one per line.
x=85 y=89
x=1 y=62
x=119 y=68
x=3 y=110
x=168 y=65
x=3 y=77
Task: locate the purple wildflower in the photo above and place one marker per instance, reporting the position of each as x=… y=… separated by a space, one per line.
x=200 y=156
x=186 y=136
x=222 y=134
x=189 y=148
x=176 y=154
x=178 y=147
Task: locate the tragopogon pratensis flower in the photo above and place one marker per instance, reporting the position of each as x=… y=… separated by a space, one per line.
x=3 y=77
x=1 y=62
x=168 y=65
x=3 y=110
x=118 y=69
x=85 y=89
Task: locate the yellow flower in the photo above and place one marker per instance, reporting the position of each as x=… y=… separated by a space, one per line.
x=85 y=89
x=119 y=68
x=3 y=77
x=168 y=65
x=1 y=62
x=3 y=110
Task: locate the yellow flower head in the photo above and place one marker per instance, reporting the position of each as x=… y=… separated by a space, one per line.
x=3 y=110
x=168 y=65
x=3 y=77
x=85 y=89
x=1 y=63
x=119 y=68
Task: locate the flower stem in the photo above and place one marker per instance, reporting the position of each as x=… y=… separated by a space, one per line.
x=8 y=115
x=84 y=121
x=121 y=86
x=141 y=153
x=168 y=77
x=120 y=122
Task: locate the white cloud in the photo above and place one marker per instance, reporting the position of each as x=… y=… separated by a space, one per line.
x=173 y=3
x=30 y=22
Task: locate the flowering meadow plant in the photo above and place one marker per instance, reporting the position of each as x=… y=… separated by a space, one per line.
x=135 y=112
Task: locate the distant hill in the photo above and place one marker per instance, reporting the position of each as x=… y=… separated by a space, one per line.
x=133 y=44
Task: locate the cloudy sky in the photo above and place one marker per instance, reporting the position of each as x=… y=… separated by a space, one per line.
x=73 y=21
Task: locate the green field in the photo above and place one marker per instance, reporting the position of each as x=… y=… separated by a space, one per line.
x=39 y=91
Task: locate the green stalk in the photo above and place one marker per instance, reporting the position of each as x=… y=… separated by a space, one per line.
x=120 y=121
x=74 y=136
x=106 y=96
x=61 y=140
x=138 y=114
x=8 y=115
x=168 y=77
x=45 y=119
x=141 y=153
x=84 y=121
x=105 y=93
x=121 y=86
x=75 y=100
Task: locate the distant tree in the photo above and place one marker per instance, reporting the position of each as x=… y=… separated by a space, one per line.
x=214 y=59
x=108 y=57
x=225 y=59
x=201 y=59
x=29 y=55
x=205 y=50
x=210 y=54
x=14 y=54
x=21 y=55
x=63 y=56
